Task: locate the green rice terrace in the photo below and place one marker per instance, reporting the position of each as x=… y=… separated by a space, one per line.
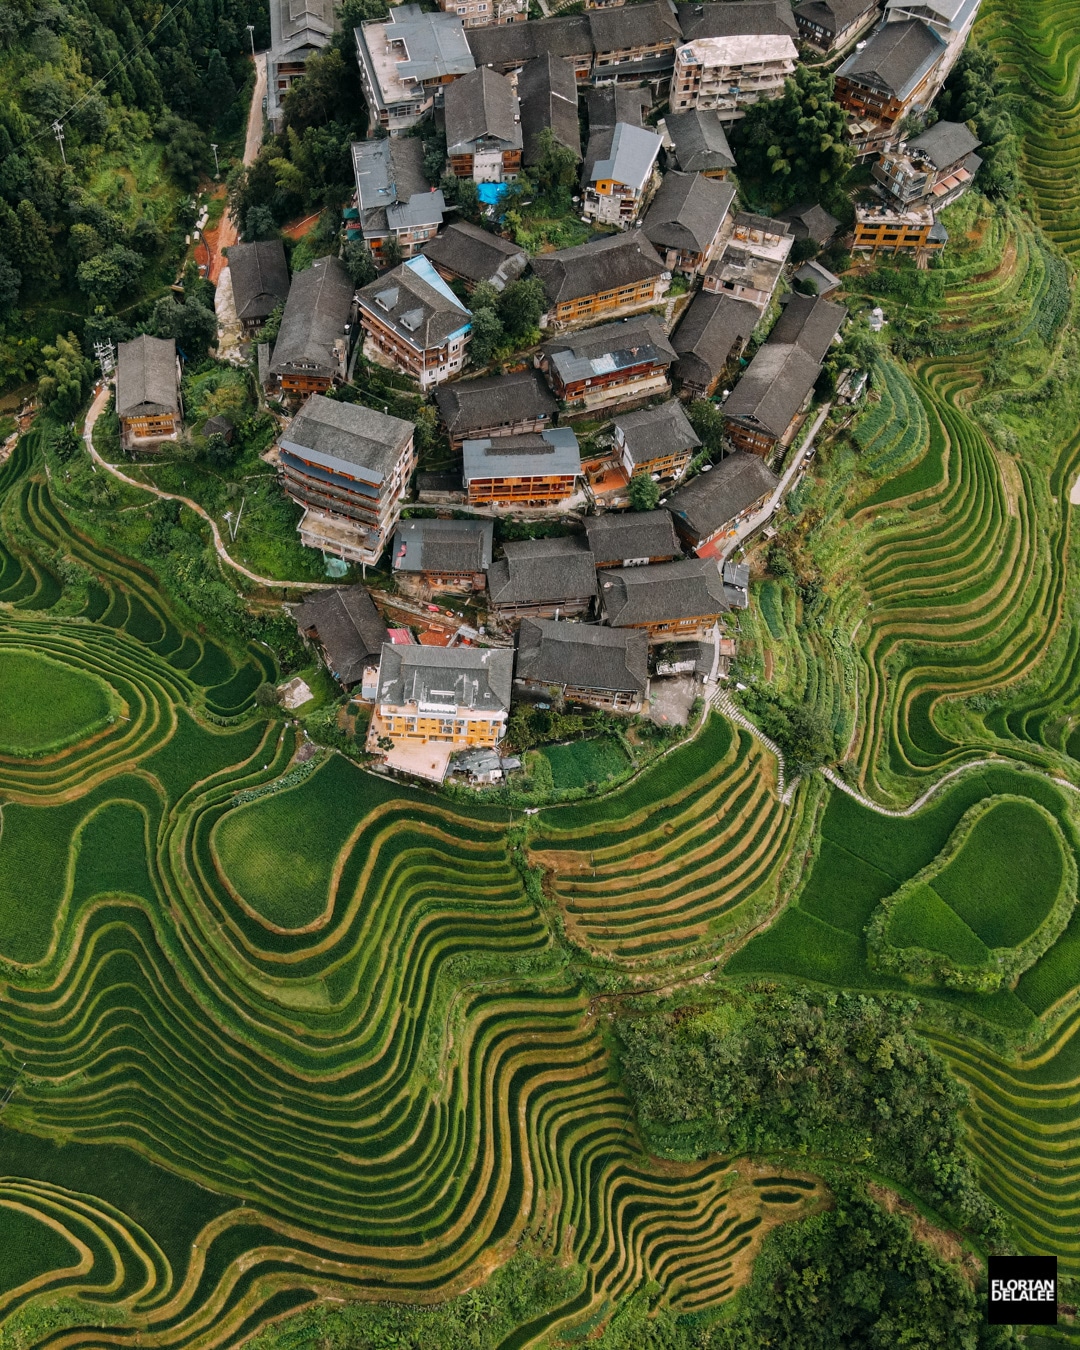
x=280 y=1035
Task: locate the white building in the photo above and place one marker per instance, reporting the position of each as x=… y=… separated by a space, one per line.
x=728 y=74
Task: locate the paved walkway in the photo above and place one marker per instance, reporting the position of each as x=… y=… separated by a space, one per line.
x=722 y=700
x=759 y=518
x=92 y=416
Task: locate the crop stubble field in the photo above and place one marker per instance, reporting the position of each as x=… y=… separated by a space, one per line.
x=324 y=1039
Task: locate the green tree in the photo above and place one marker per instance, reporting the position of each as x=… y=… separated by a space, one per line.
x=186 y=150
x=795 y=146
x=326 y=92
x=67 y=377
x=464 y=194
x=708 y=421
x=30 y=242
x=10 y=281
x=259 y=223
x=218 y=89
x=556 y=171
x=520 y=306
x=105 y=277
x=644 y=494
x=219 y=453
x=975 y=94
x=192 y=325
x=487 y=336
x=359 y=263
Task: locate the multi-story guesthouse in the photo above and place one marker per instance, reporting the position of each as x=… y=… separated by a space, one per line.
x=727 y=75
x=482 y=13
x=349 y=468
x=414 y=322
x=443 y=555
x=547 y=94
x=614 y=363
x=619 y=173
x=543 y=579
x=393 y=197
x=933 y=169
x=713 y=333
x=535 y=469
x=831 y=25
x=631 y=538
x=708 y=510
x=687 y=220
x=259 y=277
x=407 y=60
x=752 y=260
x=483 y=127
x=348 y=632
x=468 y=254
x=148 y=392
x=296 y=31
x=680 y=599
x=312 y=348
x=583 y=663
x=605 y=277
x=657 y=441
x=699 y=142
x=888 y=229
x=496 y=405
x=764 y=409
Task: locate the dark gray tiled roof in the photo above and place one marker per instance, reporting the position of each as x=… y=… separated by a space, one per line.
x=811 y=221
x=442 y=545
x=834 y=15
x=349 y=628
x=316 y=312
x=478 y=678
x=700 y=141
x=895 y=58
x=348 y=433
x=631 y=534
x=494 y=400
x=711 y=500
x=391 y=188
x=602 y=265
x=260 y=278
x=613 y=103
x=945 y=143
x=810 y=321
x=652 y=432
x=648 y=25
x=146 y=376
x=507 y=44
x=710 y=330
x=773 y=387
x=688 y=211
x=737 y=18
x=481 y=105
x=823 y=280
x=583 y=656
x=543 y=571
x=547 y=90
x=421 y=312
x=688 y=589
x=477 y=255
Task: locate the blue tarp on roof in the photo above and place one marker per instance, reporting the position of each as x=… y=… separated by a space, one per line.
x=491 y=194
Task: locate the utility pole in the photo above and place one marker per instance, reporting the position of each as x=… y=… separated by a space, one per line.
x=251 y=35
x=106 y=358
x=217 y=170
x=58 y=132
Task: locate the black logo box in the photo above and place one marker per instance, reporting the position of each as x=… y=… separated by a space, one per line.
x=1022 y=1291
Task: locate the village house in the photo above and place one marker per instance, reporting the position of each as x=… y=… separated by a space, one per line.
x=680 y=599
x=933 y=169
x=700 y=144
x=631 y=538
x=708 y=510
x=547 y=93
x=736 y=18
x=814 y=279
x=543 y=578
x=752 y=260
x=506 y=48
x=614 y=363
x=496 y=405
x=535 y=469
x=348 y=632
x=312 y=348
x=443 y=555
x=482 y=13
x=714 y=332
x=148 y=400
x=727 y=75
x=657 y=441
x=601 y=279
x=831 y=25
x=415 y=323
x=407 y=60
x=884 y=229
x=687 y=220
x=620 y=168
x=259 y=276
x=296 y=31
x=952 y=20
x=393 y=197
x=483 y=127
x=471 y=255
x=349 y=468
x=609 y=104
x=583 y=663
x=432 y=701
x=810 y=221
x=764 y=409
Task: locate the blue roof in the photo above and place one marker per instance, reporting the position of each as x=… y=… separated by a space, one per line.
x=420 y=267
x=491 y=194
